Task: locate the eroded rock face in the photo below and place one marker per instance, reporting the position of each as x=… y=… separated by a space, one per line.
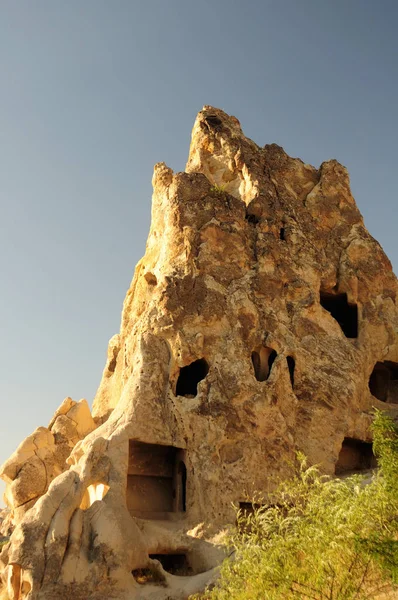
x=41 y=457
x=252 y=328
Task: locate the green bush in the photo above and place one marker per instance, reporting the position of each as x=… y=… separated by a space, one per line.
x=320 y=538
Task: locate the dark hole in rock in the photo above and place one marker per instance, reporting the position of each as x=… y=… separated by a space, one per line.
x=345 y=314
x=156 y=481
x=248 y=508
x=355 y=455
x=253 y=219
x=189 y=377
x=383 y=382
x=176 y=564
x=263 y=359
x=282 y=233
x=151 y=278
x=291 y=363
x=213 y=121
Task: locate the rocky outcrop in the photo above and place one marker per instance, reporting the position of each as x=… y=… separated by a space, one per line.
x=5 y=525
x=261 y=320
x=41 y=457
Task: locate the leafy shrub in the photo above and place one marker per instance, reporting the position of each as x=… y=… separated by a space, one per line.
x=320 y=538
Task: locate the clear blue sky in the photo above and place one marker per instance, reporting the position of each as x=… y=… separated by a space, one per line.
x=95 y=92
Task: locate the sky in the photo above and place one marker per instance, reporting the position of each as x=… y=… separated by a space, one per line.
x=95 y=92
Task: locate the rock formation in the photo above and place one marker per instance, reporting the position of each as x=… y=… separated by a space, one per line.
x=261 y=320
x=42 y=456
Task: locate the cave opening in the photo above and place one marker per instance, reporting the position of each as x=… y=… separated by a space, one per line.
x=342 y=311
x=213 y=121
x=174 y=563
x=151 y=278
x=248 y=508
x=383 y=382
x=156 y=480
x=291 y=363
x=282 y=234
x=190 y=376
x=251 y=218
x=263 y=358
x=355 y=456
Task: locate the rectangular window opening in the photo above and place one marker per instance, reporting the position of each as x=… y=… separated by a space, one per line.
x=156 y=480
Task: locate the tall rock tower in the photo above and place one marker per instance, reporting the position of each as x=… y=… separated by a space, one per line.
x=261 y=320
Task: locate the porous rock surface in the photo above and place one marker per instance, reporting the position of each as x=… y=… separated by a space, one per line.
x=41 y=457
x=260 y=319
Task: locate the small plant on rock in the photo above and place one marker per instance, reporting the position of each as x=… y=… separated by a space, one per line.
x=218 y=190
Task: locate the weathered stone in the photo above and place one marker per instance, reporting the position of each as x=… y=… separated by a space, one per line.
x=259 y=321
x=42 y=456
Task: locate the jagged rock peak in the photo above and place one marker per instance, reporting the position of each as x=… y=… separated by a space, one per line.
x=261 y=320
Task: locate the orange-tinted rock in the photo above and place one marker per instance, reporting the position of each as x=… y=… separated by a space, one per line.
x=251 y=329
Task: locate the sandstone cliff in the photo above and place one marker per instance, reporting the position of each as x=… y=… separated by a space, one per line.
x=261 y=320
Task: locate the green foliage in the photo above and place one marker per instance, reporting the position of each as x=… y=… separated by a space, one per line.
x=320 y=538
x=218 y=190
x=385 y=447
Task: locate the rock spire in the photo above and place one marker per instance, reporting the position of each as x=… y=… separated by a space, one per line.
x=261 y=320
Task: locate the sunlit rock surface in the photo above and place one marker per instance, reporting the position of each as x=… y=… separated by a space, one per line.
x=261 y=320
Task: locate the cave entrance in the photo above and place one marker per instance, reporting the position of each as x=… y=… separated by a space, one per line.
x=156 y=481
x=383 y=382
x=346 y=314
x=263 y=358
x=176 y=564
x=189 y=377
x=248 y=508
x=355 y=455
